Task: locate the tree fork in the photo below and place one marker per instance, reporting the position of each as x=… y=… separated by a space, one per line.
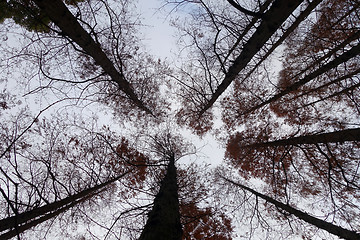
x=329 y=227
x=164 y=218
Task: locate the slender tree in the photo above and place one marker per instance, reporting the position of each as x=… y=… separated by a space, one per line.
x=318 y=78
x=353 y=52
x=331 y=228
x=105 y=56
x=74 y=170
x=332 y=137
x=285 y=75
x=25 y=220
x=316 y=165
x=204 y=95
x=62 y=17
x=272 y=20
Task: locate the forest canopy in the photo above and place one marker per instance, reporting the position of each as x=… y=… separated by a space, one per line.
x=103 y=139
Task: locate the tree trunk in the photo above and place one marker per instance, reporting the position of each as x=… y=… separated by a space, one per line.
x=248 y=27
x=43 y=218
x=302 y=16
x=344 y=91
x=23 y=218
x=354 y=51
x=334 y=81
x=332 y=137
x=62 y=17
x=272 y=20
x=329 y=227
x=164 y=218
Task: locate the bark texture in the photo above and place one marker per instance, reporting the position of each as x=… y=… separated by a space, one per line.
x=164 y=219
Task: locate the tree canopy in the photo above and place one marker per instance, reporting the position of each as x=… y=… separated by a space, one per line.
x=100 y=139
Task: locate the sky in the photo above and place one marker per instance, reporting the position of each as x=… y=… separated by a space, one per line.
x=160 y=41
x=159 y=35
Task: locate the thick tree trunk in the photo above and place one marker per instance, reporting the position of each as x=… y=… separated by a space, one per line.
x=248 y=27
x=332 y=137
x=22 y=218
x=329 y=227
x=62 y=17
x=272 y=20
x=164 y=219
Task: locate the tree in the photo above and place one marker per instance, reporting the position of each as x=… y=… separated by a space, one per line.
x=323 y=164
x=71 y=171
x=275 y=82
x=206 y=96
x=175 y=205
x=114 y=58
x=164 y=218
x=313 y=77
x=339 y=231
x=62 y=17
x=25 y=220
x=333 y=137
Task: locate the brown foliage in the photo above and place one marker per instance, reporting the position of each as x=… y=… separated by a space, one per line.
x=204 y=223
x=200 y=125
x=199 y=220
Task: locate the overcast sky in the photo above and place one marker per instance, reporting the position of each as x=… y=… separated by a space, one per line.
x=161 y=42
x=159 y=35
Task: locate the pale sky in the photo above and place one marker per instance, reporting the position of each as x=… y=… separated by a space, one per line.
x=159 y=36
x=160 y=40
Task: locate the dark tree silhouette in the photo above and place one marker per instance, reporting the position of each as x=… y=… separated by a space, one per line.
x=164 y=218
x=25 y=220
x=333 y=137
x=331 y=228
x=62 y=17
x=283 y=76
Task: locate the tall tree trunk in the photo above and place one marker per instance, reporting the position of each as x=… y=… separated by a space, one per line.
x=329 y=227
x=164 y=218
x=353 y=52
x=62 y=17
x=49 y=209
x=19 y=229
x=302 y=16
x=279 y=11
x=346 y=135
x=248 y=27
x=344 y=91
x=334 y=81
